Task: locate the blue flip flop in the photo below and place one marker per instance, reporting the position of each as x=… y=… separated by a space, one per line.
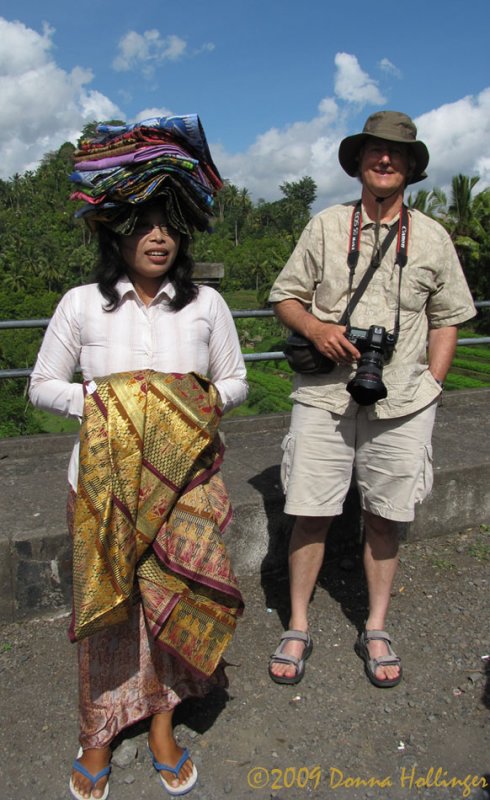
x=183 y=788
x=92 y=778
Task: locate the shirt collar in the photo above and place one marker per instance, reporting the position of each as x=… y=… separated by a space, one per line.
x=367 y=222
x=125 y=287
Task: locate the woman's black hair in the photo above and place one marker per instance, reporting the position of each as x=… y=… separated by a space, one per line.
x=110 y=267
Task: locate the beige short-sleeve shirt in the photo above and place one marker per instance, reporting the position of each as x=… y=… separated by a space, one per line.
x=434 y=294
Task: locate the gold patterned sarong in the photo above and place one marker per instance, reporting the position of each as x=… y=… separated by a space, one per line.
x=150 y=509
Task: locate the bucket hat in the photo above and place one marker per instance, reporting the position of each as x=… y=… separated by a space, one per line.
x=392 y=126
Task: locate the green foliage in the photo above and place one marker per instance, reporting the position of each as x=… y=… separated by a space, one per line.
x=44 y=252
x=41 y=242
x=468 y=363
x=17 y=417
x=457 y=381
x=467 y=218
x=269 y=391
x=18 y=347
x=53 y=423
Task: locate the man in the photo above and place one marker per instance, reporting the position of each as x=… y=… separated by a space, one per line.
x=416 y=297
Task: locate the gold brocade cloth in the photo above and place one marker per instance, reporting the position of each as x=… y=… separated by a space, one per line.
x=150 y=509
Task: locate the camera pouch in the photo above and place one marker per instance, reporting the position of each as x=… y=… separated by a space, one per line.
x=302 y=356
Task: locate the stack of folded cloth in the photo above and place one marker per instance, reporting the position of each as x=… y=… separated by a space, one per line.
x=125 y=165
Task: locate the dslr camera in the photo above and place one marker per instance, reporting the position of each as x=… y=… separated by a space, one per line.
x=376 y=346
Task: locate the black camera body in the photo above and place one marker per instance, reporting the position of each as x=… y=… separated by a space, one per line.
x=376 y=346
x=373 y=338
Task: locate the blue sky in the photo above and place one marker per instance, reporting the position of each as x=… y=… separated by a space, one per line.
x=277 y=83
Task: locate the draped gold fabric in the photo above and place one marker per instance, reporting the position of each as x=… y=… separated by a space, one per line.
x=150 y=509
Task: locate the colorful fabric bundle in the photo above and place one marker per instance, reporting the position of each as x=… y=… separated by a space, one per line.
x=126 y=165
x=150 y=509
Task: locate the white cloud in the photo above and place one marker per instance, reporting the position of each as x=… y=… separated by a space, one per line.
x=22 y=48
x=147 y=50
x=353 y=84
x=306 y=148
x=207 y=47
x=42 y=105
x=387 y=66
x=458 y=137
x=148 y=113
x=288 y=154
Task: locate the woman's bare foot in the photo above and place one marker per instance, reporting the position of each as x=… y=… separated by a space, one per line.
x=166 y=750
x=94 y=760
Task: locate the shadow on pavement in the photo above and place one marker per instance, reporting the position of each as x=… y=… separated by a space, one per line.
x=342 y=574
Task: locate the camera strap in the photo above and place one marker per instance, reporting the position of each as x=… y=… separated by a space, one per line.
x=402 y=228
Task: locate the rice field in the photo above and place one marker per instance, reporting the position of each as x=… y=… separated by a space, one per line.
x=270 y=381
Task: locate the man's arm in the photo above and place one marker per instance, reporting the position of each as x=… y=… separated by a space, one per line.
x=327 y=337
x=442 y=346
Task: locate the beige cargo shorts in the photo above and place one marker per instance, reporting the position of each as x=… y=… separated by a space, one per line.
x=391 y=460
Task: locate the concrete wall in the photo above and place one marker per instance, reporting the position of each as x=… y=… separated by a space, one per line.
x=35 y=549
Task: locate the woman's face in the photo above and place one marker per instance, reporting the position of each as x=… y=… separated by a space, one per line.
x=150 y=251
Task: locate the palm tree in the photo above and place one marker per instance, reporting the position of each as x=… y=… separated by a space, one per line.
x=234 y=206
x=461 y=205
x=14 y=281
x=432 y=203
x=467 y=222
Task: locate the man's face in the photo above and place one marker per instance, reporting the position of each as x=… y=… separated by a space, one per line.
x=383 y=167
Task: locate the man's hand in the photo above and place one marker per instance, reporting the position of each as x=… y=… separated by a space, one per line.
x=330 y=340
x=327 y=337
x=442 y=346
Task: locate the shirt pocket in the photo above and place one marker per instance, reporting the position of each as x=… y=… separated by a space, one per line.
x=416 y=288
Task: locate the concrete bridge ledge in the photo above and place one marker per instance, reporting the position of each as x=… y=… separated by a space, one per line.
x=34 y=547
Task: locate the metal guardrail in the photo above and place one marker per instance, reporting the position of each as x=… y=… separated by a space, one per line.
x=276 y=355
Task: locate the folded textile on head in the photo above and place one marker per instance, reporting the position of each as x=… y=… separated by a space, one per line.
x=126 y=165
x=150 y=509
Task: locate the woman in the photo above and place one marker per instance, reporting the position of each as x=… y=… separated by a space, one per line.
x=144 y=313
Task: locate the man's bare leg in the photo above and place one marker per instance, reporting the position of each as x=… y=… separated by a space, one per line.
x=306 y=551
x=380 y=566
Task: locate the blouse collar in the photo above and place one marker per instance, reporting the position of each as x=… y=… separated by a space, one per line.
x=125 y=287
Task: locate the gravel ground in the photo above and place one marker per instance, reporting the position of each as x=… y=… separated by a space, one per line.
x=332 y=736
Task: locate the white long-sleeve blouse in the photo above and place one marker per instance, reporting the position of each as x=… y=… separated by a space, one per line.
x=200 y=337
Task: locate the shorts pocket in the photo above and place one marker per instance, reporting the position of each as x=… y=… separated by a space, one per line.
x=426 y=476
x=287 y=446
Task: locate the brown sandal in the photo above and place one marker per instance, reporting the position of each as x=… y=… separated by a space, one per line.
x=372 y=664
x=283 y=658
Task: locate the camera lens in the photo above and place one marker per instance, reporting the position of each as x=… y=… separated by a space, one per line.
x=367 y=387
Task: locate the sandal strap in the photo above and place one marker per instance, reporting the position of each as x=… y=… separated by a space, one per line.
x=376 y=635
x=390 y=659
x=286 y=659
x=92 y=778
x=289 y=636
x=385 y=661
x=167 y=768
x=299 y=636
